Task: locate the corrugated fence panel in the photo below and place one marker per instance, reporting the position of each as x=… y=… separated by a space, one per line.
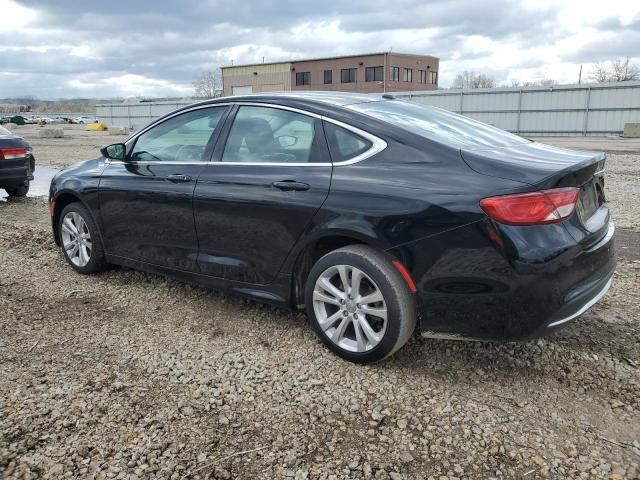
x=490 y=102
x=135 y=115
x=615 y=98
x=593 y=109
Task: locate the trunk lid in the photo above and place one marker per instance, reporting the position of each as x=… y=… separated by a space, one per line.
x=545 y=167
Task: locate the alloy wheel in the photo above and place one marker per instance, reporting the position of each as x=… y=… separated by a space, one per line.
x=76 y=239
x=350 y=308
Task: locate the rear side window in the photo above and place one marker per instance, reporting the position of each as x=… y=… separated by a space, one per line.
x=344 y=144
x=438 y=124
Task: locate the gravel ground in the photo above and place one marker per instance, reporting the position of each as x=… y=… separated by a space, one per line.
x=131 y=375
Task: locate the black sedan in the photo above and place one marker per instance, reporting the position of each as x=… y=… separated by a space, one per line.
x=379 y=217
x=16 y=164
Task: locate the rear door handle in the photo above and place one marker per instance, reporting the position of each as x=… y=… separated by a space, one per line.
x=179 y=177
x=291 y=185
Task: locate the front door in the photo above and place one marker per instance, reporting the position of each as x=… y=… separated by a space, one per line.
x=146 y=202
x=254 y=202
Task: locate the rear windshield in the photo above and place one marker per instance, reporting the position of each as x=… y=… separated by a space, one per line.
x=4 y=131
x=438 y=124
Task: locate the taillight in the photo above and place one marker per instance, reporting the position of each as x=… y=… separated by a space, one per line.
x=535 y=208
x=12 y=153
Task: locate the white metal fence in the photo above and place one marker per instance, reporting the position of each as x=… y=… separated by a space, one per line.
x=135 y=115
x=593 y=109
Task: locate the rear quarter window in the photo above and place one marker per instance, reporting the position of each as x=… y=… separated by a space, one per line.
x=344 y=144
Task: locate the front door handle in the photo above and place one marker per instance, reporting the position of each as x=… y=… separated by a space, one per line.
x=179 y=177
x=291 y=185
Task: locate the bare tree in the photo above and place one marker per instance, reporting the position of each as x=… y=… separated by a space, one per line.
x=469 y=79
x=600 y=73
x=618 y=70
x=623 y=71
x=208 y=84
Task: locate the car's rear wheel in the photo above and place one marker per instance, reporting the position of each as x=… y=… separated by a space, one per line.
x=359 y=304
x=80 y=240
x=19 y=190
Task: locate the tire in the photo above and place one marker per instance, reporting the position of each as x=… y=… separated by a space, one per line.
x=81 y=220
x=379 y=278
x=19 y=191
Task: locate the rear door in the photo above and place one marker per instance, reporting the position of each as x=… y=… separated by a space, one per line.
x=146 y=201
x=255 y=200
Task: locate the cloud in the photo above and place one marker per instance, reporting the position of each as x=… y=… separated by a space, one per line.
x=154 y=48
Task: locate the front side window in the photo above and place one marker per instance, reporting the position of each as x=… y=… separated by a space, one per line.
x=408 y=75
x=373 y=74
x=438 y=124
x=395 y=74
x=270 y=135
x=348 y=75
x=328 y=77
x=344 y=144
x=303 y=78
x=182 y=138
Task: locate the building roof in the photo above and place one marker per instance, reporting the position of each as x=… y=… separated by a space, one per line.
x=319 y=59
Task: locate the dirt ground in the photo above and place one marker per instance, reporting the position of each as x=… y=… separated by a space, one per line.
x=131 y=375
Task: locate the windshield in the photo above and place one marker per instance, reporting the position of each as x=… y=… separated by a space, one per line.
x=4 y=131
x=438 y=124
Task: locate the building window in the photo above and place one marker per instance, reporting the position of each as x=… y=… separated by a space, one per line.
x=328 y=77
x=303 y=78
x=348 y=75
x=395 y=74
x=408 y=75
x=434 y=78
x=423 y=76
x=373 y=74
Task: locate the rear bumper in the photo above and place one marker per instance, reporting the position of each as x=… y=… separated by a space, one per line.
x=15 y=175
x=499 y=285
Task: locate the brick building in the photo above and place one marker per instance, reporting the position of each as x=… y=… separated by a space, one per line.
x=369 y=73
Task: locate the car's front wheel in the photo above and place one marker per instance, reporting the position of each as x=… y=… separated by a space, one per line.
x=80 y=239
x=359 y=304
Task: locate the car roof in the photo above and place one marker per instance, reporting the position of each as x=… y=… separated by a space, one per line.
x=311 y=97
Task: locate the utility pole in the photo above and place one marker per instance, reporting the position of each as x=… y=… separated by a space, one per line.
x=580 y=75
x=384 y=73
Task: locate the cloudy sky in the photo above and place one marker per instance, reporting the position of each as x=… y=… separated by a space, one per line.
x=87 y=48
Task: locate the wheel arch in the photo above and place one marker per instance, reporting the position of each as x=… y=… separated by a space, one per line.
x=62 y=199
x=314 y=249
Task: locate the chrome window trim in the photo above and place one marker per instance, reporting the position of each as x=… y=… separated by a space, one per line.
x=377 y=144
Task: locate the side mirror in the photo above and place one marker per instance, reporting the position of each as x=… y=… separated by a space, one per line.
x=117 y=151
x=286 y=141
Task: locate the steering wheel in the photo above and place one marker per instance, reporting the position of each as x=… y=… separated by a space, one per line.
x=189 y=152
